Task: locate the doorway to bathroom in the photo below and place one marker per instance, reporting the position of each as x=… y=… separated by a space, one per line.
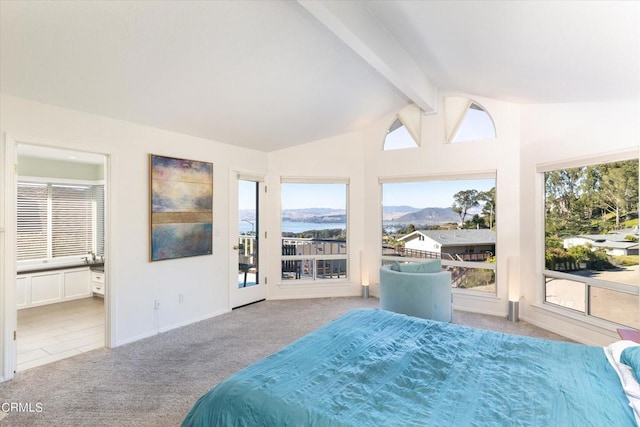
x=60 y=253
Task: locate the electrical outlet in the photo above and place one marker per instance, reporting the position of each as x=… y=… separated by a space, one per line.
x=180 y=298
x=157 y=305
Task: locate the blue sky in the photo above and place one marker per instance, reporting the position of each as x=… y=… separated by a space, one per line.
x=437 y=194
x=246 y=194
x=476 y=125
x=430 y=194
x=299 y=196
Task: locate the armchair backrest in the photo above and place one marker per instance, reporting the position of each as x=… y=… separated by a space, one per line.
x=420 y=294
x=429 y=266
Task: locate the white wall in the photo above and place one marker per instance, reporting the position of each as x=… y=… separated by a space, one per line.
x=339 y=157
x=50 y=168
x=556 y=134
x=440 y=160
x=527 y=136
x=358 y=156
x=135 y=283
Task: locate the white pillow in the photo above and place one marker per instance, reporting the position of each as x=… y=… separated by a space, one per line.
x=625 y=373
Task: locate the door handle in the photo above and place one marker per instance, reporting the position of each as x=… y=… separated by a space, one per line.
x=235 y=247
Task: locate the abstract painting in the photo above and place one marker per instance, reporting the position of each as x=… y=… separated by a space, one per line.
x=181 y=207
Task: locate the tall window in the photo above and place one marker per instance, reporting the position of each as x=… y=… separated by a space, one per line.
x=55 y=221
x=314 y=231
x=451 y=220
x=591 y=240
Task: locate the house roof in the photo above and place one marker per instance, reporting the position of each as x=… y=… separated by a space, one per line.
x=613 y=240
x=272 y=74
x=456 y=237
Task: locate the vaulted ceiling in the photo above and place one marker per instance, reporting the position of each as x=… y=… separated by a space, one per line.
x=272 y=74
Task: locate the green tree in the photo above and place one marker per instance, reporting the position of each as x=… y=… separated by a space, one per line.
x=463 y=201
x=476 y=222
x=614 y=187
x=562 y=188
x=565 y=206
x=588 y=200
x=489 y=208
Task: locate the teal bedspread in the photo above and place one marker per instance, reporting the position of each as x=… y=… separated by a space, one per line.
x=377 y=368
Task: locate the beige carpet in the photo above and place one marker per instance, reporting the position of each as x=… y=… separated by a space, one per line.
x=154 y=382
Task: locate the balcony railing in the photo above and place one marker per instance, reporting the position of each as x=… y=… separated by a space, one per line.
x=415 y=253
x=468 y=270
x=247 y=249
x=602 y=299
x=302 y=259
x=311 y=259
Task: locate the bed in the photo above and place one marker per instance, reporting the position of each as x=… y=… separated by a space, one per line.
x=377 y=368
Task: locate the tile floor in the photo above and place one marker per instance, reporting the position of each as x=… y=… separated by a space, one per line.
x=57 y=331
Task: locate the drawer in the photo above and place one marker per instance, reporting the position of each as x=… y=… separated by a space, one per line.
x=97 y=277
x=97 y=288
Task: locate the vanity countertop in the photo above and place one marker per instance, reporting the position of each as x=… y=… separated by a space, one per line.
x=97 y=267
x=40 y=269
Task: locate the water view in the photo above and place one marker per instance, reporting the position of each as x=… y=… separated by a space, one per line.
x=294 y=227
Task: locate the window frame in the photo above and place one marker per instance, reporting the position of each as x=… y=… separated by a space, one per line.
x=487 y=174
x=97 y=243
x=454 y=122
x=588 y=283
x=315 y=279
x=397 y=125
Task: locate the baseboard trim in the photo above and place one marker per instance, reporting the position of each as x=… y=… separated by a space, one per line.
x=191 y=321
x=170 y=327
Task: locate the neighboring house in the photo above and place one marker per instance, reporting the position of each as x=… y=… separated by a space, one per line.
x=452 y=242
x=614 y=243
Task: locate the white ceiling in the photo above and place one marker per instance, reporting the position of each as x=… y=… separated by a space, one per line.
x=272 y=74
x=523 y=51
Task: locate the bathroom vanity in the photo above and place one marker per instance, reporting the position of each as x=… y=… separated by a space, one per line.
x=97 y=280
x=43 y=286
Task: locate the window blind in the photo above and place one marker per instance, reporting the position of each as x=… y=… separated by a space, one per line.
x=32 y=221
x=59 y=220
x=71 y=220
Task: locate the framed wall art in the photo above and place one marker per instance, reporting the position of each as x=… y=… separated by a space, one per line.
x=181 y=207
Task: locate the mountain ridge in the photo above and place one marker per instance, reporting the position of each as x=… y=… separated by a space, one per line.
x=402 y=214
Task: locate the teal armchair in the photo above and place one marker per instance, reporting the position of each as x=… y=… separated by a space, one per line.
x=417 y=289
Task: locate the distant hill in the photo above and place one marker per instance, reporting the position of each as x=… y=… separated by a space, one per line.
x=390 y=213
x=316 y=215
x=248 y=214
x=429 y=216
x=397 y=214
x=312 y=211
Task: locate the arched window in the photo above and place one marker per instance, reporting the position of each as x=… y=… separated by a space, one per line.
x=398 y=137
x=405 y=131
x=466 y=120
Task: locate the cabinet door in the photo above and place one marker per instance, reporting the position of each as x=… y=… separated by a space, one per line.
x=22 y=285
x=46 y=288
x=76 y=284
